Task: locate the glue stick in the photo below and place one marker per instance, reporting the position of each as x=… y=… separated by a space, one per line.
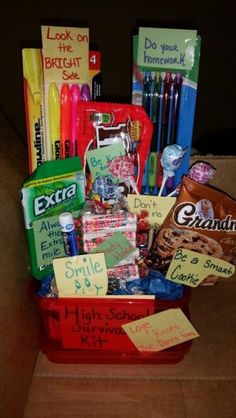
x=69 y=234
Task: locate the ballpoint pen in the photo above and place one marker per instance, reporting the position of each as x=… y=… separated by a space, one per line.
x=176 y=86
x=75 y=97
x=54 y=120
x=147 y=83
x=164 y=121
x=152 y=160
x=65 y=120
x=177 y=83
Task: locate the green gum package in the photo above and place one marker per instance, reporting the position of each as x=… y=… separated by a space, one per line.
x=54 y=187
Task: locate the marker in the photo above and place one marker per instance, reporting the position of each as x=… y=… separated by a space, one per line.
x=69 y=234
x=65 y=121
x=85 y=93
x=54 y=120
x=75 y=97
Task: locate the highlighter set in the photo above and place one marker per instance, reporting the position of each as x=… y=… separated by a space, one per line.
x=63 y=104
x=52 y=130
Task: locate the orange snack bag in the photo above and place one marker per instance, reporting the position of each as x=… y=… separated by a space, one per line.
x=202 y=219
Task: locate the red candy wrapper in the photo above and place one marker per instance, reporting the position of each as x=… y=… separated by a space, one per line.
x=102 y=124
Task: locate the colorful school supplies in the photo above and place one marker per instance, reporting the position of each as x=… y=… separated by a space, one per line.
x=56 y=79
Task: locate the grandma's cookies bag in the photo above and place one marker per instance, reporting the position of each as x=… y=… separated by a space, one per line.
x=202 y=219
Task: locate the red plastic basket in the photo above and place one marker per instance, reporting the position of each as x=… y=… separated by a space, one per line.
x=88 y=330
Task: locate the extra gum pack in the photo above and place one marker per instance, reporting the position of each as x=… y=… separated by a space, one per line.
x=55 y=187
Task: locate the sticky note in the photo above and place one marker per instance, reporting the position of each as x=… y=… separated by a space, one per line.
x=166 y=48
x=161 y=330
x=81 y=275
x=157 y=207
x=65 y=54
x=115 y=249
x=191 y=268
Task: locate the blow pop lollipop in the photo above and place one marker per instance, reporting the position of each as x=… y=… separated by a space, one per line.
x=123 y=167
x=201 y=172
x=171 y=160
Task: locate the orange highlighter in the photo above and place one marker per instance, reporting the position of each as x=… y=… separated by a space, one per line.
x=65 y=99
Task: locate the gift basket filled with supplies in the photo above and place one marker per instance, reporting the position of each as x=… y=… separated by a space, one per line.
x=120 y=228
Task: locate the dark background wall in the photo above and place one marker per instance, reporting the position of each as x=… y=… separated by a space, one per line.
x=111 y=25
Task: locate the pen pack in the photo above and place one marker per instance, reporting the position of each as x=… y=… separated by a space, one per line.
x=54 y=187
x=112 y=133
x=164 y=82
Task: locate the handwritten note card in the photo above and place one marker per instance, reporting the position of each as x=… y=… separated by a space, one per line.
x=65 y=54
x=191 y=268
x=160 y=331
x=157 y=207
x=98 y=158
x=115 y=249
x=82 y=275
x=48 y=240
x=166 y=48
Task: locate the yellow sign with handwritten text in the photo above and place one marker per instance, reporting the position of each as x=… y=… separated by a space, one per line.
x=191 y=268
x=160 y=331
x=157 y=207
x=65 y=54
x=81 y=275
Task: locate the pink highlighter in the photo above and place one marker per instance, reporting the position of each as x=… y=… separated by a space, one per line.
x=75 y=97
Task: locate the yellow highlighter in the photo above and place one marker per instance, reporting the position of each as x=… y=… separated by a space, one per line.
x=54 y=120
x=32 y=70
x=34 y=107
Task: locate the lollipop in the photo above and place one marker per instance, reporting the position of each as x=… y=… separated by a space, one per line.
x=201 y=172
x=123 y=167
x=171 y=160
x=105 y=188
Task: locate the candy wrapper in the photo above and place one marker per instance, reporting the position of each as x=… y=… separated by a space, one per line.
x=201 y=172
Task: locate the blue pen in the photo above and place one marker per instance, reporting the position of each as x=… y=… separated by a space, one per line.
x=147 y=82
x=177 y=82
x=69 y=233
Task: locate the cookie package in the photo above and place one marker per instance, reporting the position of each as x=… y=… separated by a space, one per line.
x=202 y=220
